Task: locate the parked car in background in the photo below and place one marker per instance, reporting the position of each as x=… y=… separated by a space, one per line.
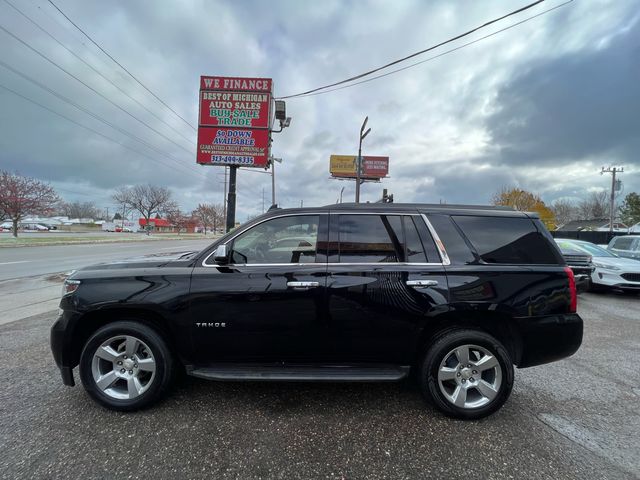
x=580 y=262
x=610 y=270
x=625 y=246
x=38 y=227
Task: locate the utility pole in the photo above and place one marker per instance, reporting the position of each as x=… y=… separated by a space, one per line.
x=301 y=203
x=262 y=199
x=359 y=161
x=612 y=200
x=231 y=198
x=224 y=198
x=341 y=191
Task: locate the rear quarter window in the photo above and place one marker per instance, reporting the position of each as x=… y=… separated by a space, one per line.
x=507 y=240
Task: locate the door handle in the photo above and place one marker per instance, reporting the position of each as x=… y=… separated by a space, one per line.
x=422 y=283
x=303 y=285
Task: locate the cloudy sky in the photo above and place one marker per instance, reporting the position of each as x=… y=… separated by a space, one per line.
x=541 y=106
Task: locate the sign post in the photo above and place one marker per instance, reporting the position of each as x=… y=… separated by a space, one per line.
x=234 y=127
x=363 y=134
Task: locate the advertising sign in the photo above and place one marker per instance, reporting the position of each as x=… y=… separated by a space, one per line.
x=240 y=84
x=234 y=109
x=234 y=121
x=233 y=146
x=344 y=166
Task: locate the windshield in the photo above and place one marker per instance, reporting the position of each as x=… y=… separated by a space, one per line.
x=590 y=248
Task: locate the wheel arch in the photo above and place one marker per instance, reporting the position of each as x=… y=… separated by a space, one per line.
x=499 y=325
x=91 y=321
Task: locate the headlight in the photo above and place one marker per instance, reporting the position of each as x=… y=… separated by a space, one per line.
x=70 y=286
x=606 y=267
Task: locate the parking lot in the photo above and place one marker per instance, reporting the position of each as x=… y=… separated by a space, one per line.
x=577 y=418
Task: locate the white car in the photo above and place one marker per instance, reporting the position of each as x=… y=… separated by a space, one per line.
x=625 y=246
x=611 y=270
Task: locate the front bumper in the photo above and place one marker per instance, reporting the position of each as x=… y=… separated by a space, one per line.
x=610 y=278
x=61 y=346
x=549 y=338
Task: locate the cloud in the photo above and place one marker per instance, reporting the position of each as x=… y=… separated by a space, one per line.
x=573 y=107
x=541 y=106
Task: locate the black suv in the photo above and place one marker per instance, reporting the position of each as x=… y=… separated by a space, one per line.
x=348 y=292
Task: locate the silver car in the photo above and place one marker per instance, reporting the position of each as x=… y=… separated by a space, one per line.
x=625 y=246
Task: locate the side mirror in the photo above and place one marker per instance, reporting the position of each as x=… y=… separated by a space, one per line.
x=221 y=254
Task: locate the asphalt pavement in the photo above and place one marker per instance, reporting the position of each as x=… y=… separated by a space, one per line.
x=23 y=262
x=31 y=277
x=577 y=418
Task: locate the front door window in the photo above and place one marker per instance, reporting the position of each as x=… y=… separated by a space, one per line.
x=291 y=239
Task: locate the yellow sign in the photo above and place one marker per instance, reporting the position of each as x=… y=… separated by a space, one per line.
x=342 y=165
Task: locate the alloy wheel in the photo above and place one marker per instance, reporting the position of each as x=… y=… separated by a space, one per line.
x=123 y=367
x=469 y=376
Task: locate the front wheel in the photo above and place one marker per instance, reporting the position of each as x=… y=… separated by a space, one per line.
x=467 y=374
x=125 y=366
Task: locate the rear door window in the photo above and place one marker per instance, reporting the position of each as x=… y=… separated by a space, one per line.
x=506 y=240
x=369 y=239
x=384 y=238
x=414 y=250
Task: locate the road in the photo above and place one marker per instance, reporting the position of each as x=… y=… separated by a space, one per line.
x=32 y=261
x=30 y=280
x=577 y=418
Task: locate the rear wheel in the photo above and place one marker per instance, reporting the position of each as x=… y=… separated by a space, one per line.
x=467 y=374
x=126 y=365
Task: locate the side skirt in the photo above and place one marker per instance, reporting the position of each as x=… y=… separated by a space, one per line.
x=299 y=373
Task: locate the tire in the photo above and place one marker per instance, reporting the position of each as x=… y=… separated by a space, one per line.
x=120 y=380
x=596 y=288
x=484 y=387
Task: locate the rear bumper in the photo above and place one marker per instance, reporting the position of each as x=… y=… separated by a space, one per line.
x=549 y=338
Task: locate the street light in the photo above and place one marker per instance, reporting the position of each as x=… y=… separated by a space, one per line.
x=359 y=163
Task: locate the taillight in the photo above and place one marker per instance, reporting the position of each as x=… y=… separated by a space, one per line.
x=573 y=307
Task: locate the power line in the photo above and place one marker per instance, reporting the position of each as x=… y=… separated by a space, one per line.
x=89 y=112
x=120 y=65
x=91 y=88
x=440 y=54
x=42 y=29
x=400 y=60
x=24 y=97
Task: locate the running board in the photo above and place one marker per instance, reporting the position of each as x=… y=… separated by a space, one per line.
x=300 y=373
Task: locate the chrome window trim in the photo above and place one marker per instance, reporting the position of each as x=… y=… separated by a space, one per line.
x=438 y=242
x=205 y=264
x=331 y=264
x=388 y=214
x=439 y=245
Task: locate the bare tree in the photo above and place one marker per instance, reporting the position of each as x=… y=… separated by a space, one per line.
x=21 y=196
x=564 y=211
x=80 y=209
x=209 y=215
x=177 y=217
x=148 y=200
x=596 y=205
